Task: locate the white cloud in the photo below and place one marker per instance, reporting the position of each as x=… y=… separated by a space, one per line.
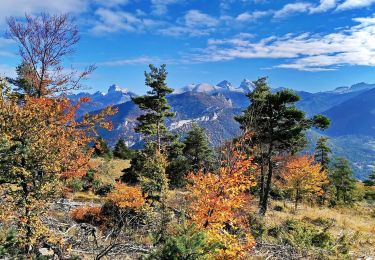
x=352 y=4
x=324 y=6
x=132 y=61
x=195 y=18
x=142 y=60
x=194 y=23
x=20 y=7
x=111 y=3
x=310 y=52
x=251 y=17
x=113 y=21
x=160 y=7
x=288 y=9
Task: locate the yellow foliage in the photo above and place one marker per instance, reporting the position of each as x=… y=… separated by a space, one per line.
x=125 y=196
x=40 y=142
x=217 y=203
x=303 y=176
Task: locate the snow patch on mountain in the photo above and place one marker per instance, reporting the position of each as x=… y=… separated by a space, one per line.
x=181 y=123
x=222 y=87
x=356 y=87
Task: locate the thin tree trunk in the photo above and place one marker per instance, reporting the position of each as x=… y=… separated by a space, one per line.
x=158 y=137
x=261 y=189
x=263 y=207
x=296 y=201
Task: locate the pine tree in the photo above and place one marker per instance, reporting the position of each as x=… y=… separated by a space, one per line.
x=155 y=104
x=101 y=148
x=121 y=151
x=371 y=180
x=197 y=150
x=278 y=126
x=189 y=243
x=178 y=165
x=154 y=180
x=341 y=178
x=322 y=153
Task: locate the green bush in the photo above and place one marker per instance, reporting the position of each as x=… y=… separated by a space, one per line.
x=9 y=245
x=257 y=225
x=313 y=237
x=189 y=244
x=101 y=189
x=88 y=179
x=75 y=185
x=323 y=222
x=369 y=195
x=300 y=234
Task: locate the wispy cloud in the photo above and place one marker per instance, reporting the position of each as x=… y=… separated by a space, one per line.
x=324 y=6
x=193 y=23
x=132 y=61
x=251 y=17
x=309 y=52
x=112 y=3
x=353 y=4
x=20 y=7
x=113 y=21
x=288 y=9
x=142 y=60
x=160 y=7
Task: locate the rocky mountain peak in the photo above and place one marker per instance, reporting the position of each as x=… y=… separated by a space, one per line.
x=247 y=85
x=116 y=88
x=225 y=84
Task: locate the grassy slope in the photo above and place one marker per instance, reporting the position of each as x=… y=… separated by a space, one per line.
x=108 y=172
x=357 y=222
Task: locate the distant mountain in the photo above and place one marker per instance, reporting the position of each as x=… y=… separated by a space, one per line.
x=212 y=112
x=355 y=116
x=225 y=88
x=213 y=107
x=221 y=87
x=315 y=103
x=356 y=87
x=115 y=95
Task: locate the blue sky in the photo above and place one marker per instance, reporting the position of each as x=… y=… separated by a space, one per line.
x=307 y=45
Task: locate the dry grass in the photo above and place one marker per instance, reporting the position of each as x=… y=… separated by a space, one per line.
x=87 y=197
x=109 y=170
x=353 y=222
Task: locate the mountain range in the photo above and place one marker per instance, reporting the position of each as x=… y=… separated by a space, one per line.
x=351 y=110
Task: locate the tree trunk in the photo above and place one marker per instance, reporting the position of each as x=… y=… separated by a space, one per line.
x=158 y=137
x=264 y=203
x=296 y=201
x=261 y=188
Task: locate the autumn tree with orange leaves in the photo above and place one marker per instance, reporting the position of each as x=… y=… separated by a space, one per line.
x=218 y=201
x=40 y=139
x=115 y=218
x=303 y=177
x=40 y=142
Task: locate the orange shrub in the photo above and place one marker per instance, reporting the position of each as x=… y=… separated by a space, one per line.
x=87 y=215
x=218 y=200
x=125 y=196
